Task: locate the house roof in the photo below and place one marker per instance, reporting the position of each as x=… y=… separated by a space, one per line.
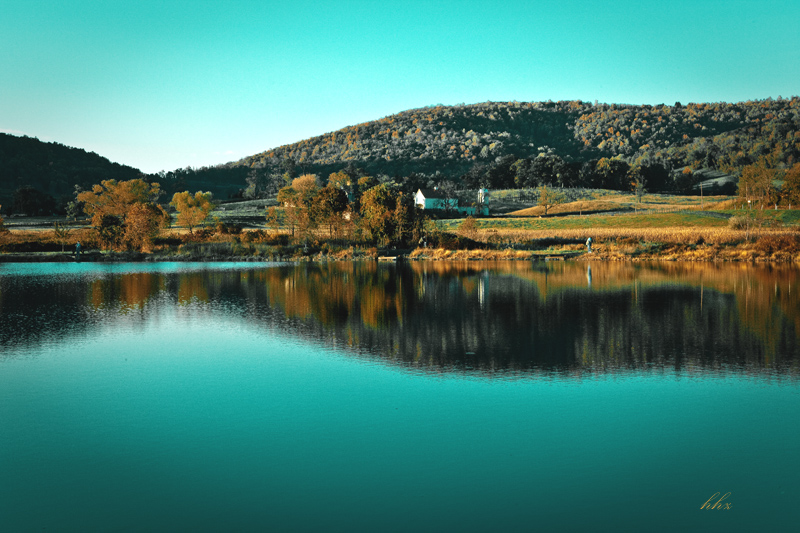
x=432 y=193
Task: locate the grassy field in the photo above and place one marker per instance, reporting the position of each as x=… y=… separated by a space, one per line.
x=660 y=227
x=631 y=220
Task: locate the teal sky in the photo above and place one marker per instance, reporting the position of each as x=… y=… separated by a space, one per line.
x=165 y=84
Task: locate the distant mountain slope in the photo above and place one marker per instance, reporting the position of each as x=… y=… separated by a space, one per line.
x=497 y=143
x=451 y=139
x=52 y=168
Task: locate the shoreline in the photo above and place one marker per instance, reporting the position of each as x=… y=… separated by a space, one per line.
x=741 y=253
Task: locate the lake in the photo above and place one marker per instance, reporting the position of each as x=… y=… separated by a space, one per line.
x=430 y=396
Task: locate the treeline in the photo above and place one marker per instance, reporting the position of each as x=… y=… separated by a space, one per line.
x=494 y=144
x=357 y=208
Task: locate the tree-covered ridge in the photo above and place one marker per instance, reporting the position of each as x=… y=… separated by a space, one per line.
x=494 y=144
x=420 y=140
x=717 y=135
x=52 y=168
x=451 y=139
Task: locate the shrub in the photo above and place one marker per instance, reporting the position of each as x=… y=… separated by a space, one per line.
x=770 y=244
x=228 y=229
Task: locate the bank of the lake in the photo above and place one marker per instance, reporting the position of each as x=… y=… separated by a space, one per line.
x=769 y=249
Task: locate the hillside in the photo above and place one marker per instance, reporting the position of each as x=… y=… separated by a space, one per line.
x=453 y=141
x=495 y=144
x=38 y=177
x=51 y=169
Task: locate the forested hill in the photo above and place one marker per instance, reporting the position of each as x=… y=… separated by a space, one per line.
x=463 y=140
x=494 y=144
x=51 y=169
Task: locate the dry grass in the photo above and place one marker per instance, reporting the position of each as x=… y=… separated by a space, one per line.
x=578 y=207
x=440 y=254
x=676 y=235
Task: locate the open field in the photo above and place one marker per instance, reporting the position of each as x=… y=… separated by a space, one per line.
x=672 y=228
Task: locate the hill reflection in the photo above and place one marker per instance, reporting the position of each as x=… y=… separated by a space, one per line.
x=443 y=316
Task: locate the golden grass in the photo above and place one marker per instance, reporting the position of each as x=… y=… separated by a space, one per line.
x=581 y=206
x=440 y=254
x=674 y=235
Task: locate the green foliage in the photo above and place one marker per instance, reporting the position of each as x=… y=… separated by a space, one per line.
x=473 y=140
x=495 y=144
x=29 y=201
x=27 y=162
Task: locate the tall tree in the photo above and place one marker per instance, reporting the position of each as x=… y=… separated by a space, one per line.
x=115 y=198
x=549 y=197
x=124 y=213
x=756 y=184
x=192 y=210
x=330 y=205
x=790 y=191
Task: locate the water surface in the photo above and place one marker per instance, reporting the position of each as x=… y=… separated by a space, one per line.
x=358 y=397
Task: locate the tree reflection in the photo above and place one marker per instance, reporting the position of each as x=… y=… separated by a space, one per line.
x=472 y=316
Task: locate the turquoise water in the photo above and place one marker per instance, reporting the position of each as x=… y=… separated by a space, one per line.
x=220 y=409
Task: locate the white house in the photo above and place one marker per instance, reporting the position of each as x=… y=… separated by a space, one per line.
x=435 y=199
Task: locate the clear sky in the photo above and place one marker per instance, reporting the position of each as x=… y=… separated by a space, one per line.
x=163 y=84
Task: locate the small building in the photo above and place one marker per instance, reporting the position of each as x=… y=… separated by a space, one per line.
x=435 y=199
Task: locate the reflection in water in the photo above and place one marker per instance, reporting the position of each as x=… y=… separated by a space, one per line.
x=480 y=317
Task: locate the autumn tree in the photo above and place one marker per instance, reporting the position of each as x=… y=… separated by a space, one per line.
x=60 y=232
x=469 y=228
x=125 y=213
x=142 y=224
x=298 y=202
x=388 y=215
x=192 y=210
x=408 y=219
x=756 y=184
x=638 y=183
x=329 y=207
x=341 y=180
x=115 y=198
x=549 y=197
x=272 y=218
x=790 y=191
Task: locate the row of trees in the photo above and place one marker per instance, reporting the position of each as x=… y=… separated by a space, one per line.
x=126 y=214
x=550 y=170
x=758 y=185
x=358 y=208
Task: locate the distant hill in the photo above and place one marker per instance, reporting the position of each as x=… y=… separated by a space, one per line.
x=52 y=169
x=497 y=144
x=452 y=140
x=47 y=172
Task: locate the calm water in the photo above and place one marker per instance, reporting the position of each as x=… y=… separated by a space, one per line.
x=428 y=397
